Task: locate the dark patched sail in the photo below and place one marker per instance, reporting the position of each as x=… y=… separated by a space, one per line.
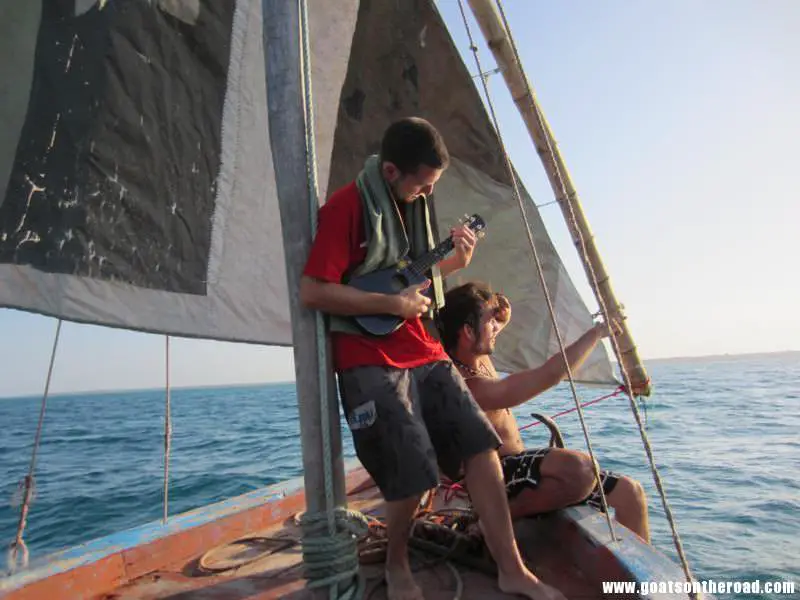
x=137 y=187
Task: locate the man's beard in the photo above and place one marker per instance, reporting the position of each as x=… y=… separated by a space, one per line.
x=408 y=199
x=483 y=348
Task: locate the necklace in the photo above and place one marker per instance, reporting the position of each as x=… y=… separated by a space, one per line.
x=481 y=372
x=473 y=372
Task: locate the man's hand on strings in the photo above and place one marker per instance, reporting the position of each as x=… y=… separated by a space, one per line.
x=412 y=301
x=464 y=240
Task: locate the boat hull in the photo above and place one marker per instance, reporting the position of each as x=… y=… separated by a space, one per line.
x=570 y=549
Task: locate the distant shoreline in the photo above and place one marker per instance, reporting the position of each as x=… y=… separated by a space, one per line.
x=722 y=357
x=647 y=361
x=100 y=392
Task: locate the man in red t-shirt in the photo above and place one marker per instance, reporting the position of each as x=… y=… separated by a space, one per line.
x=409 y=410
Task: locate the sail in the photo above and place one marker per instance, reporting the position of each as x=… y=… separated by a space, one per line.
x=136 y=181
x=403 y=61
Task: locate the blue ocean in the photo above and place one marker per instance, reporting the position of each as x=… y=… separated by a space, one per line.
x=724 y=432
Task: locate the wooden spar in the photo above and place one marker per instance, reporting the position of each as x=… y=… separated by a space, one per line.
x=524 y=97
x=288 y=142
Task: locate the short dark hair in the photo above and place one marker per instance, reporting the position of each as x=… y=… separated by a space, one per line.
x=463 y=305
x=412 y=142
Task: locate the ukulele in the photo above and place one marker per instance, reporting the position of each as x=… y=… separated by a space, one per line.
x=394 y=280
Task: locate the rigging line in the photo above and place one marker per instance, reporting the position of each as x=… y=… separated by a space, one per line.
x=167 y=432
x=546 y=203
x=487 y=73
x=616 y=392
x=627 y=380
x=18 y=551
x=540 y=272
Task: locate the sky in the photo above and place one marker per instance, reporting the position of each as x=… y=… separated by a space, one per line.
x=679 y=123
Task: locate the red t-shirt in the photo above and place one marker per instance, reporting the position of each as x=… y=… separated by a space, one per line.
x=337 y=248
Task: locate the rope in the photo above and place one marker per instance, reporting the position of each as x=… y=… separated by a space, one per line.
x=644 y=410
x=459 y=581
x=539 y=271
x=617 y=392
x=453 y=490
x=167 y=435
x=626 y=377
x=18 y=554
x=329 y=550
x=332 y=559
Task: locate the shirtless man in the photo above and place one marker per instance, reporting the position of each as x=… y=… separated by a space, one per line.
x=543 y=479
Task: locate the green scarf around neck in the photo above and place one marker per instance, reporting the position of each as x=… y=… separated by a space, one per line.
x=388 y=241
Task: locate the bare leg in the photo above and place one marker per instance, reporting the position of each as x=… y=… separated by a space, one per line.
x=567 y=478
x=630 y=506
x=399 y=580
x=485 y=483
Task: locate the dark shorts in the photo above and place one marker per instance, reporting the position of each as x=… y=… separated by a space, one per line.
x=409 y=423
x=523 y=471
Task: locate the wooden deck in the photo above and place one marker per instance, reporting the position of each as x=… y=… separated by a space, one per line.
x=263 y=574
x=248 y=548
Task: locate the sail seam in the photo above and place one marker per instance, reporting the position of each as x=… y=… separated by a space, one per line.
x=229 y=136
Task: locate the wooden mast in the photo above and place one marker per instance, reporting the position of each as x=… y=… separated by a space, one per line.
x=288 y=140
x=499 y=43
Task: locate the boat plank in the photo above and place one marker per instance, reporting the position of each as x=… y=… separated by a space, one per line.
x=182 y=546
x=279 y=575
x=169 y=566
x=108 y=573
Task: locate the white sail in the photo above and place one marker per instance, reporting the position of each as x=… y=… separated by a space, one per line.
x=136 y=181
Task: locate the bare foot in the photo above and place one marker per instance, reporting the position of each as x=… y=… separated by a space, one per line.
x=400 y=585
x=528 y=585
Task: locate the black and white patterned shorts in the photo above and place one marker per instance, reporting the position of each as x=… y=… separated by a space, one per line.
x=523 y=471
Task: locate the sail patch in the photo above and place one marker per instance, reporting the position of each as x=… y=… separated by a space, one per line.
x=113 y=173
x=137 y=187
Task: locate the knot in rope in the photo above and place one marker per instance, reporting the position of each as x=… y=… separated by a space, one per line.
x=17 y=550
x=18 y=556
x=332 y=558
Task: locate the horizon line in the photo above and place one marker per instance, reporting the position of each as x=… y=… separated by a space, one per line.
x=98 y=391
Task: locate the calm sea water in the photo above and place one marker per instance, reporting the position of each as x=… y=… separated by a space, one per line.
x=724 y=433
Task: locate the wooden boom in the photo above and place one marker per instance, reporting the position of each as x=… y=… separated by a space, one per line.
x=522 y=92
